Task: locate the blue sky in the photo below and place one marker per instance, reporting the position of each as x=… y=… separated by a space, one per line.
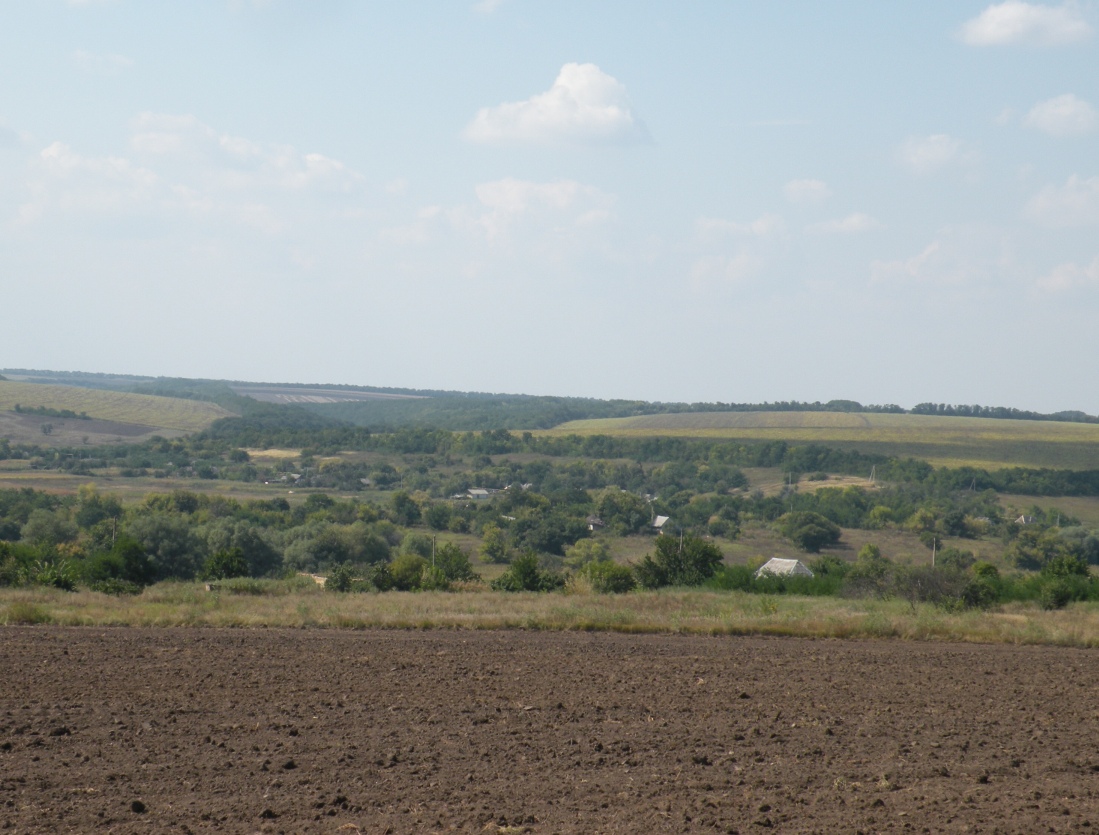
x=889 y=202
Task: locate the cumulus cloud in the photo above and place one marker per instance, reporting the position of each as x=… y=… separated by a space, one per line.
x=853 y=224
x=958 y=257
x=95 y=64
x=928 y=154
x=508 y=204
x=177 y=164
x=1064 y=115
x=234 y=161
x=1015 y=22
x=766 y=225
x=1074 y=204
x=1070 y=276
x=70 y=181
x=585 y=106
x=807 y=192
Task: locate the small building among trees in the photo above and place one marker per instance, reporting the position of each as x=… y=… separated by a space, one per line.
x=784 y=568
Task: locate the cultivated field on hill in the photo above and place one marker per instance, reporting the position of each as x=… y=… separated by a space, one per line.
x=138 y=730
x=943 y=441
x=111 y=414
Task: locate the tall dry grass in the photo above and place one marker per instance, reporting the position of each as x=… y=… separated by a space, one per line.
x=675 y=611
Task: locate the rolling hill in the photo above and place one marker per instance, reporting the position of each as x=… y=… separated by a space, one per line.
x=943 y=441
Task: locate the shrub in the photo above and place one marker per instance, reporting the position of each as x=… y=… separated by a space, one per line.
x=608 y=577
x=57 y=573
x=979 y=593
x=690 y=561
x=809 y=531
x=1056 y=594
x=381 y=577
x=524 y=574
x=341 y=578
x=407 y=571
x=114 y=586
x=225 y=565
x=585 y=551
x=454 y=563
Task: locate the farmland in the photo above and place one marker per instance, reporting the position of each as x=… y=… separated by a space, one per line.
x=942 y=441
x=406 y=731
x=110 y=414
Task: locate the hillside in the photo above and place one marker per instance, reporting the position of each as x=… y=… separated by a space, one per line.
x=101 y=414
x=943 y=441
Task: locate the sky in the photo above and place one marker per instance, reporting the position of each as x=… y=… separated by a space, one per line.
x=677 y=201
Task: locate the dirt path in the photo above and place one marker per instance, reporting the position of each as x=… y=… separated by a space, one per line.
x=314 y=731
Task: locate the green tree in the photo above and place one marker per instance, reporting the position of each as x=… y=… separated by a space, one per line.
x=688 y=561
x=494 y=547
x=525 y=574
x=404 y=509
x=585 y=551
x=809 y=531
x=454 y=563
x=224 y=565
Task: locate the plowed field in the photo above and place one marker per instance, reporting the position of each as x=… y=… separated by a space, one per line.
x=177 y=730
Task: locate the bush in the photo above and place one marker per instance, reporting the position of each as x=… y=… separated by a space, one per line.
x=1056 y=594
x=225 y=565
x=608 y=577
x=407 y=571
x=341 y=578
x=809 y=531
x=454 y=563
x=524 y=574
x=381 y=577
x=687 y=562
x=115 y=587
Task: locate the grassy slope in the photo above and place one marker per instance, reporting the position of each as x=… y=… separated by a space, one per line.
x=143 y=409
x=950 y=441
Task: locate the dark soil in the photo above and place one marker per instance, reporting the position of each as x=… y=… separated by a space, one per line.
x=177 y=730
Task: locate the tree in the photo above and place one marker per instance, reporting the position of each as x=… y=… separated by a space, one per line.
x=623 y=512
x=404 y=509
x=809 y=531
x=494 y=546
x=454 y=563
x=525 y=574
x=224 y=565
x=585 y=551
x=689 y=561
x=170 y=542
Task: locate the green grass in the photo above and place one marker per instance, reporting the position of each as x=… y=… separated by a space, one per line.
x=943 y=441
x=120 y=407
x=688 y=611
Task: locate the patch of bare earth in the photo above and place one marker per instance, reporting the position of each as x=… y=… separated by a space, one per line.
x=135 y=730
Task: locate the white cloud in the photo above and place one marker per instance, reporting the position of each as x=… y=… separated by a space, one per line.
x=1069 y=276
x=1072 y=205
x=927 y=154
x=584 y=106
x=179 y=166
x=556 y=208
x=807 y=192
x=1015 y=22
x=1063 y=116
x=71 y=182
x=487 y=7
x=105 y=64
x=960 y=257
x=236 y=162
x=765 y=225
x=853 y=224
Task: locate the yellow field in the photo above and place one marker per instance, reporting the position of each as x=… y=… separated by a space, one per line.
x=121 y=407
x=943 y=441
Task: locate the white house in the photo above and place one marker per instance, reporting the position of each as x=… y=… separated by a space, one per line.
x=784 y=568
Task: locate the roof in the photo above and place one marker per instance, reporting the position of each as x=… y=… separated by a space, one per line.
x=784 y=568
